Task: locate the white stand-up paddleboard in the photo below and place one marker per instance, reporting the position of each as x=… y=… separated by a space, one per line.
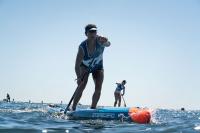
x=134 y=114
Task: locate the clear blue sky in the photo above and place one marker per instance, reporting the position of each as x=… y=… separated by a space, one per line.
x=155 y=47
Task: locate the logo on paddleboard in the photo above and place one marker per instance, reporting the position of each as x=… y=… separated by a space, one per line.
x=103 y=115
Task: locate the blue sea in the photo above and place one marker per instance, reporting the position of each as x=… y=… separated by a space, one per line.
x=22 y=117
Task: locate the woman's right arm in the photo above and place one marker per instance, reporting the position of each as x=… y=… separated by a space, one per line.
x=79 y=59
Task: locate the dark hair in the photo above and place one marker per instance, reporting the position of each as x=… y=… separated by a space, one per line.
x=89 y=26
x=124 y=81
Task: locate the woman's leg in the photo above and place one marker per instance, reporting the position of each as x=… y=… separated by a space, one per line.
x=116 y=99
x=98 y=77
x=119 y=97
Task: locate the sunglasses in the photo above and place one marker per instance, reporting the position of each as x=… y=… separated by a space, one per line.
x=92 y=31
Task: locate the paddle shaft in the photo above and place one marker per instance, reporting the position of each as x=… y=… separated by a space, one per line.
x=82 y=78
x=67 y=108
x=123 y=100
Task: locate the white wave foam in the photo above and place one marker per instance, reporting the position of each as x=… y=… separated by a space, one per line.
x=197 y=128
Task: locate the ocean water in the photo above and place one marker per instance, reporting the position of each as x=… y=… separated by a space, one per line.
x=20 y=117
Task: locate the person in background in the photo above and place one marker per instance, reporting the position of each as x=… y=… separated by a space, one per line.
x=117 y=93
x=8 y=97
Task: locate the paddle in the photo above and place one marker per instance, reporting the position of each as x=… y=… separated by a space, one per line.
x=83 y=76
x=124 y=101
x=67 y=108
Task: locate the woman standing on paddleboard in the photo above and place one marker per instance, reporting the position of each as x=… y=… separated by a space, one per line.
x=90 y=60
x=117 y=93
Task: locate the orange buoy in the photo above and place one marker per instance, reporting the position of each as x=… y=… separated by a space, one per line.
x=142 y=116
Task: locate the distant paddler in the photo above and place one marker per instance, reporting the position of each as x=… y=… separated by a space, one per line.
x=120 y=87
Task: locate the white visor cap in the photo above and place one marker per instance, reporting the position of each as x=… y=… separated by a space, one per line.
x=93 y=29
